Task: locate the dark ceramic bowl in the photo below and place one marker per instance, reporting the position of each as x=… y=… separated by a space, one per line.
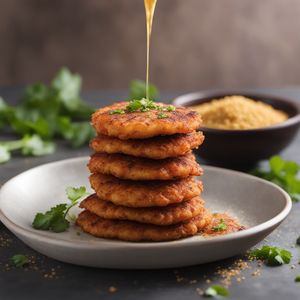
x=245 y=147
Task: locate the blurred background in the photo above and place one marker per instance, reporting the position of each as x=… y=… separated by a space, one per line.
x=197 y=44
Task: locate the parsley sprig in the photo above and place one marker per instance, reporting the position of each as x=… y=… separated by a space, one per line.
x=57 y=219
x=273 y=256
x=49 y=111
x=283 y=173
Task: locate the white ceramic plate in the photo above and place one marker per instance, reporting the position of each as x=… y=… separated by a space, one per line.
x=258 y=204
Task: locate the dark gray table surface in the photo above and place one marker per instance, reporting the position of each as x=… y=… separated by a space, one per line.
x=73 y=282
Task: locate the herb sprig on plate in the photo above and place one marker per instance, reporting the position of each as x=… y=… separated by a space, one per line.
x=57 y=219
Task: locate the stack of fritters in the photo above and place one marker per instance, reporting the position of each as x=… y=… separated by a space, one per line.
x=143 y=175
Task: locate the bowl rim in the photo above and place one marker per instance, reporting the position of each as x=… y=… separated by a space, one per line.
x=185 y=99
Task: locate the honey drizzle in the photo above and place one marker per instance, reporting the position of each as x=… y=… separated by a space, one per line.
x=150 y=9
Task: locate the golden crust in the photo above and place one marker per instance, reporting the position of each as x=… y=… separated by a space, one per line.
x=136 y=168
x=156 y=148
x=137 y=232
x=141 y=125
x=168 y=215
x=232 y=225
x=144 y=193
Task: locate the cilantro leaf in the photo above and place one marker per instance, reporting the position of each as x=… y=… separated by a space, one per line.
x=137 y=90
x=19 y=260
x=41 y=108
x=297 y=278
x=273 y=256
x=52 y=219
x=77 y=133
x=4 y=154
x=34 y=145
x=220 y=227
x=283 y=173
x=75 y=193
x=28 y=145
x=215 y=291
x=67 y=87
x=56 y=219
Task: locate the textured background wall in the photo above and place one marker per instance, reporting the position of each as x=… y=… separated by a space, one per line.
x=196 y=43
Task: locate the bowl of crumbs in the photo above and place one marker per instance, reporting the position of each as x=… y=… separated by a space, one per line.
x=243 y=128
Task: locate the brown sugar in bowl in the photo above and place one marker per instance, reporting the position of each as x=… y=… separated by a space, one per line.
x=230 y=147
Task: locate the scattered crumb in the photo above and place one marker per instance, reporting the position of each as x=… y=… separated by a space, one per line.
x=193 y=281
x=112 y=289
x=256 y=273
x=227 y=274
x=200 y=291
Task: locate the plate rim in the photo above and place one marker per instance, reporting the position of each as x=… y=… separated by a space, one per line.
x=190 y=241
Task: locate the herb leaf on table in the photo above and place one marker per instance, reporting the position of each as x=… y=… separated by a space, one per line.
x=283 y=173
x=19 y=260
x=216 y=291
x=273 y=256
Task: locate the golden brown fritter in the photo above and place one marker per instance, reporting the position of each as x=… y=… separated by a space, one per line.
x=136 y=168
x=144 y=193
x=168 y=215
x=142 y=125
x=156 y=148
x=137 y=232
x=216 y=226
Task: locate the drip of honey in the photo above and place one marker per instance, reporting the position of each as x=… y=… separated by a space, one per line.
x=150 y=8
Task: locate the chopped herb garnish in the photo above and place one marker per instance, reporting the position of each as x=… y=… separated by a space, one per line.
x=19 y=260
x=216 y=291
x=221 y=226
x=170 y=108
x=283 y=173
x=142 y=105
x=57 y=219
x=298 y=241
x=117 y=112
x=273 y=256
x=162 y=116
x=297 y=278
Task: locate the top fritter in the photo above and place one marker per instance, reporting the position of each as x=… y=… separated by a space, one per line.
x=140 y=119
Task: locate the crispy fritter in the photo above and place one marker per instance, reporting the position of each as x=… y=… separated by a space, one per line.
x=231 y=225
x=136 y=232
x=156 y=148
x=168 y=215
x=144 y=193
x=142 y=125
x=136 y=168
